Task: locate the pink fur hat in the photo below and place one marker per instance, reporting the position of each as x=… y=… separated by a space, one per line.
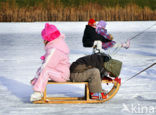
x=50 y=32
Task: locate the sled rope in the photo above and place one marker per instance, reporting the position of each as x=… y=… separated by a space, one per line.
x=140 y=72
x=116 y=51
x=142 y=32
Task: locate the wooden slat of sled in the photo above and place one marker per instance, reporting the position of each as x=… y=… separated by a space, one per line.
x=51 y=82
x=72 y=100
x=69 y=101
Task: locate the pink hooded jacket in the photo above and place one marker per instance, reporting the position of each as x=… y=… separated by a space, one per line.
x=56 y=57
x=55 y=64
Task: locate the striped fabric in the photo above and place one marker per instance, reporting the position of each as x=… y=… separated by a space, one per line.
x=103 y=32
x=107 y=45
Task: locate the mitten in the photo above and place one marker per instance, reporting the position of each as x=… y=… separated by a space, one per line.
x=111 y=37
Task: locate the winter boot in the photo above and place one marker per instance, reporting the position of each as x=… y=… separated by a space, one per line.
x=97 y=46
x=36 y=96
x=126 y=45
x=98 y=96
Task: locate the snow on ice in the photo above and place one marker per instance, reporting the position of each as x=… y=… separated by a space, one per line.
x=21 y=47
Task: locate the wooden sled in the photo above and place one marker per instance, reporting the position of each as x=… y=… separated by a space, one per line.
x=86 y=99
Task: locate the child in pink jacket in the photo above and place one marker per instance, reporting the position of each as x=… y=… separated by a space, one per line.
x=55 y=64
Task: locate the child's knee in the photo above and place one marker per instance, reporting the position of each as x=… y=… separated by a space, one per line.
x=95 y=71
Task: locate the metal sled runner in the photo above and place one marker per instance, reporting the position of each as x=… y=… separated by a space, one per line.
x=86 y=99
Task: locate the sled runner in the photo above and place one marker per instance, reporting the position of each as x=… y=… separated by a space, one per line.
x=86 y=99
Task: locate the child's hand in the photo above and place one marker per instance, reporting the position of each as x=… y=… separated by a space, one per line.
x=111 y=37
x=33 y=81
x=42 y=57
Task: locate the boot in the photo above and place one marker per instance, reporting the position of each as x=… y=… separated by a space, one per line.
x=36 y=96
x=126 y=45
x=99 y=96
x=97 y=46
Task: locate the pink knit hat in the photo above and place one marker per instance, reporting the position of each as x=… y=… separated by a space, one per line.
x=50 y=32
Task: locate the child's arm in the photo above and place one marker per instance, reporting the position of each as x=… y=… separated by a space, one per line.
x=44 y=63
x=52 y=59
x=47 y=59
x=103 y=32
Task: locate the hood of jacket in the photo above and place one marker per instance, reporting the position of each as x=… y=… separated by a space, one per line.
x=58 y=44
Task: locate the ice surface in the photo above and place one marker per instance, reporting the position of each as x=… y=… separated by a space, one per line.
x=21 y=47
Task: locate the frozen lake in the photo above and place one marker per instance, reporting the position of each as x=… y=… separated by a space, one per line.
x=20 y=50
